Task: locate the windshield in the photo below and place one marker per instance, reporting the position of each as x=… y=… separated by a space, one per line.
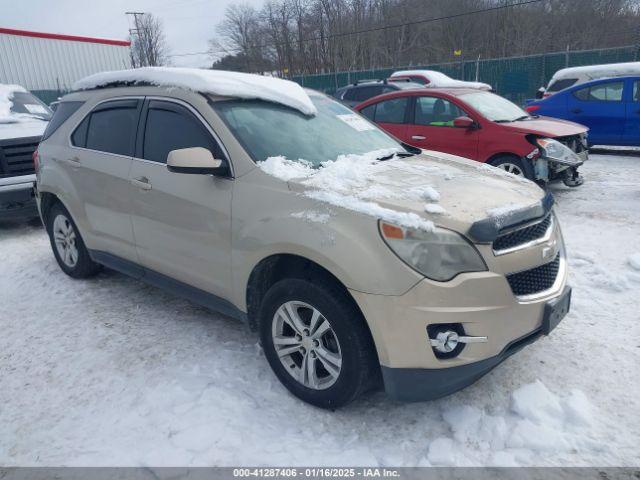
x=268 y=130
x=494 y=107
x=25 y=103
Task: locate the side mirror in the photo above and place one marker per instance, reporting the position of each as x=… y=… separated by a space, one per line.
x=196 y=160
x=464 y=122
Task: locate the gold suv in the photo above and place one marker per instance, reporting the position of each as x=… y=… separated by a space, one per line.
x=361 y=261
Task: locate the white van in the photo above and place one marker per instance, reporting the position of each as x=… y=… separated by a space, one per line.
x=568 y=77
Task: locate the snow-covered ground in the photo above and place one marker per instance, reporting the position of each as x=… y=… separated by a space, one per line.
x=114 y=372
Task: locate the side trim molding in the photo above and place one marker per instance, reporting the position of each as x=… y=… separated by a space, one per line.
x=176 y=287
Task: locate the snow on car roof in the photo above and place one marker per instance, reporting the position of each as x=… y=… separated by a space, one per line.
x=6 y=94
x=216 y=82
x=440 y=80
x=596 y=71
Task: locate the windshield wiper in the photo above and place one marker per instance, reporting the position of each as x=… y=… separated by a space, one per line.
x=396 y=154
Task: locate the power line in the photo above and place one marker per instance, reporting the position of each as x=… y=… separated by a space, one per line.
x=376 y=29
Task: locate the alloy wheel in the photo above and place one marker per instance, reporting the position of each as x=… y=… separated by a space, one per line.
x=306 y=345
x=512 y=168
x=64 y=237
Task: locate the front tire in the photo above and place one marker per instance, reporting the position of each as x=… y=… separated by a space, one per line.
x=515 y=166
x=68 y=248
x=317 y=343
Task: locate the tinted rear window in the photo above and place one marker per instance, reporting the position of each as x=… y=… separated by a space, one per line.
x=562 y=84
x=61 y=115
x=113 y=130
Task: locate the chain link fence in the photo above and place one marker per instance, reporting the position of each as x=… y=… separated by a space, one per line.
x=516 y=78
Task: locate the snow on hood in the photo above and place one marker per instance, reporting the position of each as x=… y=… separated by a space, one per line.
x=440 y=80
x=416 y=192
x=216 y=82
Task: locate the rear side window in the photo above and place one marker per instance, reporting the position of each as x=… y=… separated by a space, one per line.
x=561 y=84
x=171 y=127
x=360 y=94
x=419 y=80
x=61 y=115
x=604 y=92
x=369 y=112
x=391 y=111
x=110 y=128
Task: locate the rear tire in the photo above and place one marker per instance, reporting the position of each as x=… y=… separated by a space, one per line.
x=67 y=245
x=515 y=166
x=317 y=342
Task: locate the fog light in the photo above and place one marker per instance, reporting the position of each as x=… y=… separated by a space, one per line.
x=445 y=340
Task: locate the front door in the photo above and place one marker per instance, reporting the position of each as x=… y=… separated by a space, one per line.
x=599 y=107
x=431 y=127
x=181 y=222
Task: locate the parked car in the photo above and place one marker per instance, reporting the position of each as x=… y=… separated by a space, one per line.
x=609 y=107
x=485 y=127
x=23 y=119
x=574 y=76
x=434 y=79
x=203 y=193
x=362 y=90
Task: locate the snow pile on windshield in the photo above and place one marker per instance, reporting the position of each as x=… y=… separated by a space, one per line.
x=6 y=94
x=440 y=80
x=216 y=82
x=355 y=181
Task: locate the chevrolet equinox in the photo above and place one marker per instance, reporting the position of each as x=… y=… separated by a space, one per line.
x=410 y=270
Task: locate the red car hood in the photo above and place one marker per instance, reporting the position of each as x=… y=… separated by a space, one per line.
x=546 y=127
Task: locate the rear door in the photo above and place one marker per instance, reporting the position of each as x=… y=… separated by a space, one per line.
x=431 y=127
x=631 y=135
x=600 y=107
x=98 y=165
x=391 y=115
x=182 y=222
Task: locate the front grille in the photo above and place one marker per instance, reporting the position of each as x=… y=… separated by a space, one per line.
x=16 y=156
x=535 y=280
x=574 y=142
x=522 y=236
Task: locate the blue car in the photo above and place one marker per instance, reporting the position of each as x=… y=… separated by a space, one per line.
x=610 y=108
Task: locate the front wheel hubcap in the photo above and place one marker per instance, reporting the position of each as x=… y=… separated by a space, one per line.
x=512 y=168
x=64 y=237
x=306 y=345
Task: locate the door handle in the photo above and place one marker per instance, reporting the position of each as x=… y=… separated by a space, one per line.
x=141 y=182
x=576 y=110
x=418 y=137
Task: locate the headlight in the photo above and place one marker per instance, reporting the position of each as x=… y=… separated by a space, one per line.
x=555 y=151
x=439 y=255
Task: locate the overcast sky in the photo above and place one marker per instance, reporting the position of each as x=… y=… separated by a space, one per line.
x=188 y=24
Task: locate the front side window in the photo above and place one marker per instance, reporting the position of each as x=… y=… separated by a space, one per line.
x=391 y=111
x=172 y=127
x=269 y=130
x=436 y=112
x=604 y=92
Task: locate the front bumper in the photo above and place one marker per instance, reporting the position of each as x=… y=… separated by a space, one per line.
x=17 y=200
x=415 y=384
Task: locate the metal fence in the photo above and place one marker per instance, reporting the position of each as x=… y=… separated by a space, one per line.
x=516 y=78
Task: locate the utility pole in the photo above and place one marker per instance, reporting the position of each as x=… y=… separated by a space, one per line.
x=144 y=57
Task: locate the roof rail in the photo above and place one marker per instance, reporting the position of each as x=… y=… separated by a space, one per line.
x=369 y=80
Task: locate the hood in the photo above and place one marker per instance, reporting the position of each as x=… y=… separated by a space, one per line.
x=22 y=129
x=546 y=127
x=437 y=188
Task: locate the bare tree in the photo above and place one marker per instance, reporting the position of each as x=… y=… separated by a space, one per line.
x=319 y=36
x=148 y=44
